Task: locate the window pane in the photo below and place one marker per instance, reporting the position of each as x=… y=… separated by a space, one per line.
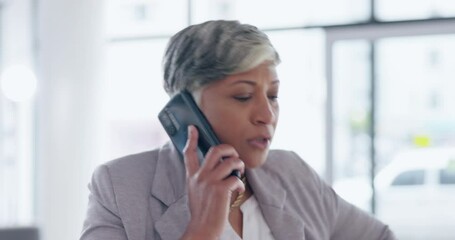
x=134 y=96
x=301 y=97
x=389 y=10
x=415 y=177
x=447 y=176
x=264 y=14
x=126 y=18
x=351 y=121
x=415 y=123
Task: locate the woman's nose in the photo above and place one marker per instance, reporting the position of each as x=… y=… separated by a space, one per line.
x=265 y=112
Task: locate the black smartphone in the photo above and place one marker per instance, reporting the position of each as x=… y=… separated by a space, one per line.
x=182 y=111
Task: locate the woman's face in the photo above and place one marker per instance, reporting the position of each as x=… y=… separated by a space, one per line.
x=243 y=111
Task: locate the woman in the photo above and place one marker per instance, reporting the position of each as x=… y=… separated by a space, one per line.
x=230 y=70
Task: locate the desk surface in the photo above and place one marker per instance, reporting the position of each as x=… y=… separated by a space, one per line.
x=19 y=233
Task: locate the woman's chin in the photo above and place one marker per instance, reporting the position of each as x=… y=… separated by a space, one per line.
x=255 y=161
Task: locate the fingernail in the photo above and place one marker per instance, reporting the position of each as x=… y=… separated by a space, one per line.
x=189 y=130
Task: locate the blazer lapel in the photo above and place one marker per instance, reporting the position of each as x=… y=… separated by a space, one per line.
x=174 y=221
x=271 y=198
x=169 y=187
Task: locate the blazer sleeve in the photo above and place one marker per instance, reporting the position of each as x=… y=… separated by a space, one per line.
x=350 y=222
x=102 y=220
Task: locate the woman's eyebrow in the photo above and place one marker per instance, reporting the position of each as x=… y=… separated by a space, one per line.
x=252 y=83
x=249 y=82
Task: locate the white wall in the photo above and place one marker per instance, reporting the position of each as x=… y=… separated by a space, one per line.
x=16 y=118
x=70 y=53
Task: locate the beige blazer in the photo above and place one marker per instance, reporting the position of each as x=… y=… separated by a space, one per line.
x=143 y=197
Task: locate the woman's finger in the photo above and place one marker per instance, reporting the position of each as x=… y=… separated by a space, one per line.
x=234 y=184
x=225 y=168
x=215 y=156
x=190 y=152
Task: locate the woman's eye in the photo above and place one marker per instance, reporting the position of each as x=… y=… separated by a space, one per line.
x=273 y=98
x=242 y=98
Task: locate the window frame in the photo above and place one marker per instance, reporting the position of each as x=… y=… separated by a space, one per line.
x=372 y=32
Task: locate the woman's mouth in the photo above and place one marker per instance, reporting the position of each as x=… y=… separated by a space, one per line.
x=261 y=143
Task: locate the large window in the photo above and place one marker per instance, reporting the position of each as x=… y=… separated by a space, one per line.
x=134 y=96
x=414 y=102
x=139 y=18
x=406 y=123
x=352 y=121
x=390 y=10
x=302 y=87
x=265 y=14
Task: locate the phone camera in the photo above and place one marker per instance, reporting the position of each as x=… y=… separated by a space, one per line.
x=166 y=120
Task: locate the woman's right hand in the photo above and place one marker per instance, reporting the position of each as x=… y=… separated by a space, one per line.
x=210 y=187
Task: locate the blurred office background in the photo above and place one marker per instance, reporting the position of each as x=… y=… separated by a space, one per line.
x=367 y=98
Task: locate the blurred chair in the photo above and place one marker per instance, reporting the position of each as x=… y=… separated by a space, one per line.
x=19 y=233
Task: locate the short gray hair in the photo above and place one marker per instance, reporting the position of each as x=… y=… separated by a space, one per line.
x=210 y=51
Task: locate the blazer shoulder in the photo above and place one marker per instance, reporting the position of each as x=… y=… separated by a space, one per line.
x=293 y=172
x=285 y=160
x=129 y=173
x=136 y=162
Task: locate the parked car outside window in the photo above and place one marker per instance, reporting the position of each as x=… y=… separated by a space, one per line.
x=415 y=193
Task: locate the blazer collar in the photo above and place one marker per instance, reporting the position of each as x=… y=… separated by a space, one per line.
x=172 y=224
x=169 y=187
x=271 y=197
x=169 y=181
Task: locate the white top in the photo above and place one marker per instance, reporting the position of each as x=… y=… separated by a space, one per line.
x=254 y=225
